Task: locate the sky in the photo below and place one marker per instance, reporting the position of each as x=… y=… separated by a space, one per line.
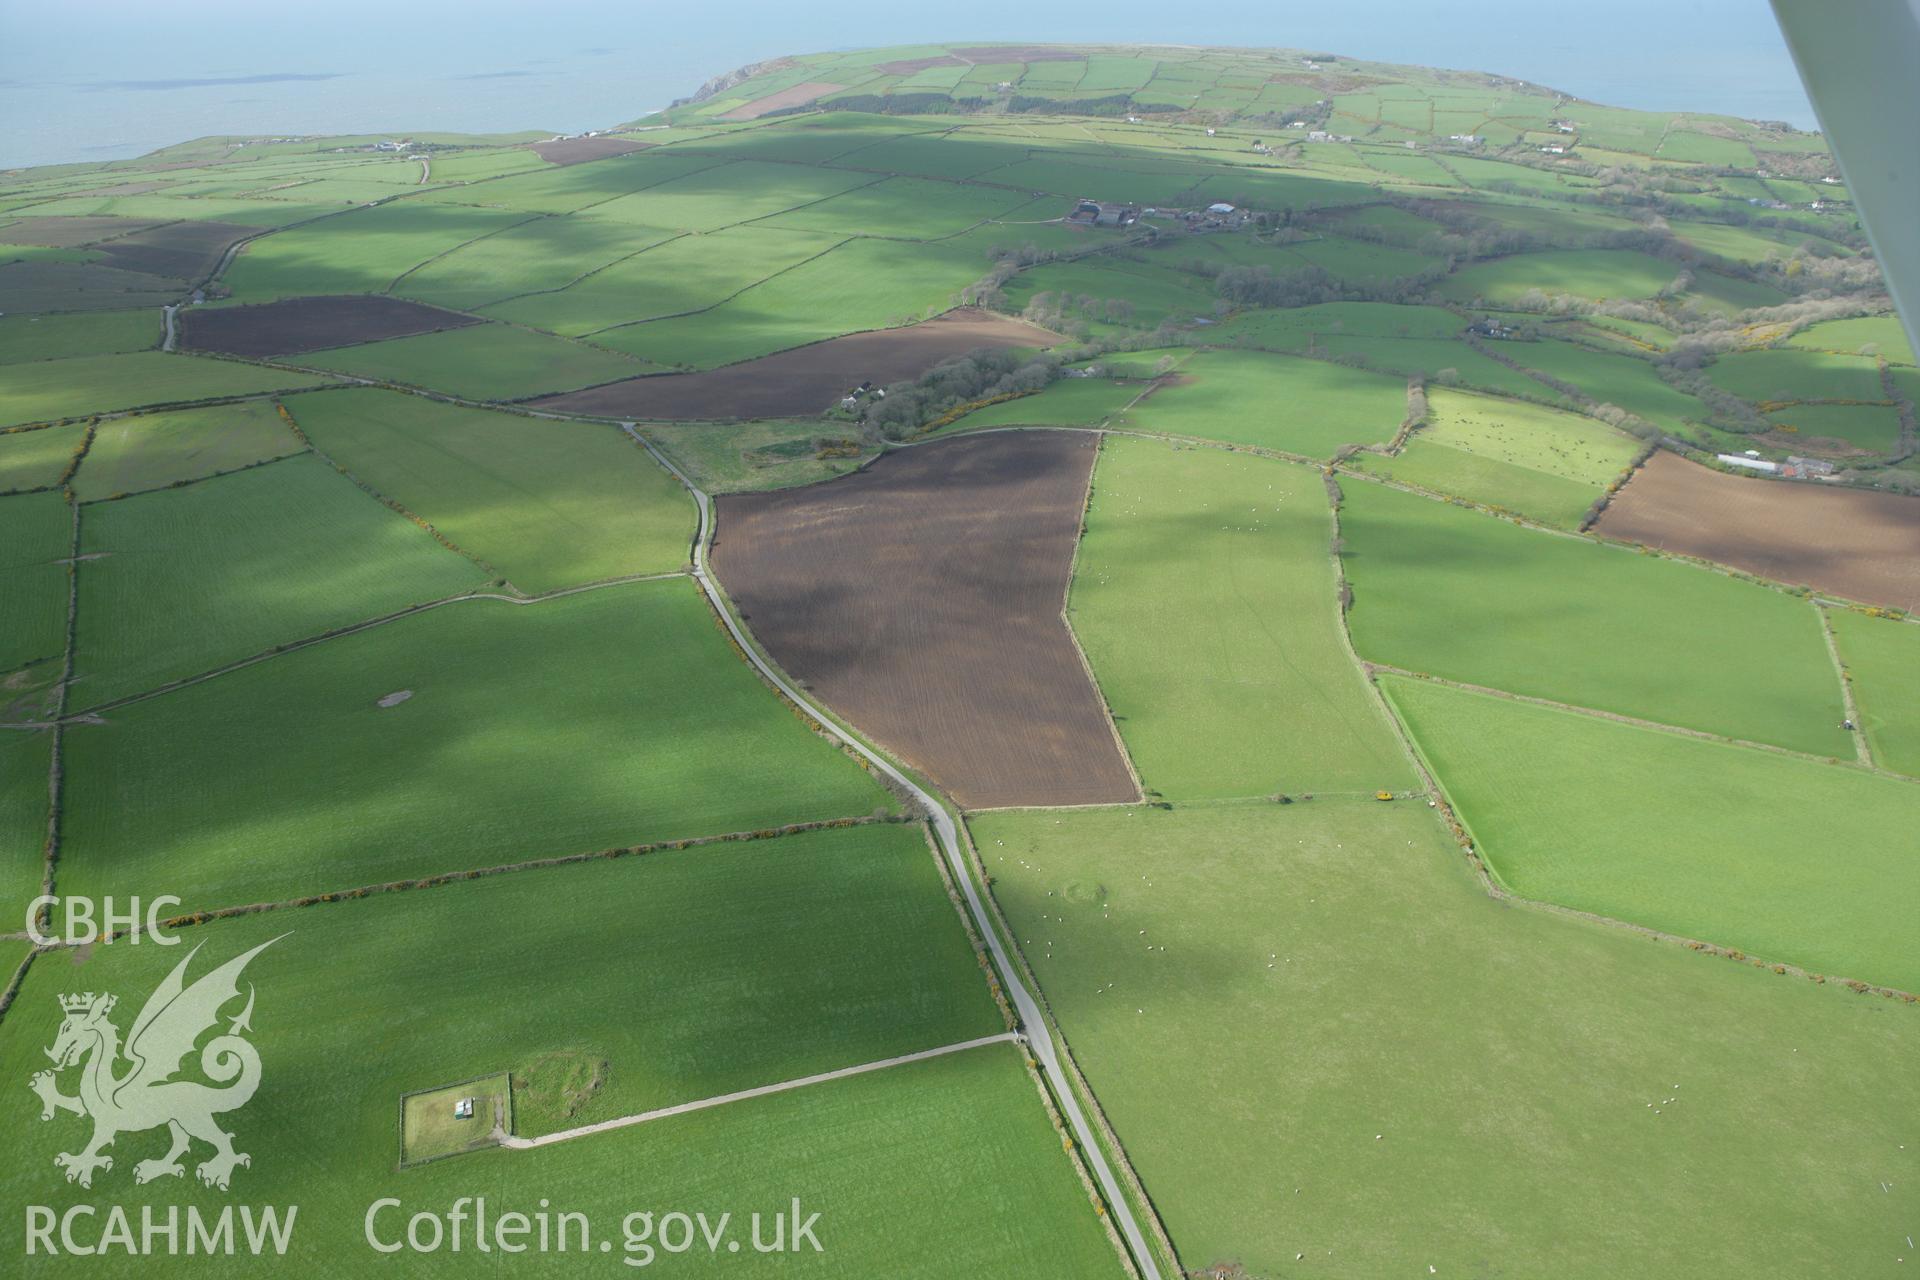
x=103 y=79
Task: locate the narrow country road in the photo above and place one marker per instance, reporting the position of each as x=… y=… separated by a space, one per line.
x=1039 y=1039
x=168 y=311
x=621 y=1122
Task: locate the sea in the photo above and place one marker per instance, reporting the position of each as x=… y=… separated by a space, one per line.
x=91 y=80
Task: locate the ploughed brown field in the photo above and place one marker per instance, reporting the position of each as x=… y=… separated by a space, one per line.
x=802 y=381
x=1854 y=543
x=577 y=150
x=921 y=599
x=798 y=96
x=294 y=325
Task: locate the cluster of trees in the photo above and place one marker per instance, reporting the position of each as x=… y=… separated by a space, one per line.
x=978 y=375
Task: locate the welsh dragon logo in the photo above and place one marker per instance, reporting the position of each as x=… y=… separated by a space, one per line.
x=145 y=1093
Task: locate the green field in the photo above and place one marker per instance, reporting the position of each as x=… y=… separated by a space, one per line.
x=1588 y=273
x=25 y=757
x=904 y=208
x=1792 y=860
x=1784 y=374
x=1204 y=597
x=1429 y=1078
x=532 y=257
x=1883 y=659
x=1070 y=402
x=72 y=388
x=684 y=274
x=1872 y=428
x=358 y=251
x=153 y=450
x=862 y=284
x=1608 y=378
x=37 y=459
x=1307 y=407
x=548 y=504
x=1882 y=334
x=614 y=717
x=691 y=974
x=24 y=338
x=1448 y=591
x=1462 y=473
x=1540 y=462
x=1529 y=435
x=483 y=362
x=742 y=457
x=189 y=579
x=36 y=537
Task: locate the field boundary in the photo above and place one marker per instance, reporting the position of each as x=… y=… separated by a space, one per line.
x=335 y=633
x=441 y=879
x=1073 y=637
x=1387 y=668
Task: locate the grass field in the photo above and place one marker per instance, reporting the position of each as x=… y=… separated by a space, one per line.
x=1785 y=374
x=1429 y=1078
x=25 y=758
x=1445 y=590
x=482 y=362
x=1869 y=428
x=1070 y=402
x=1204 y=597
x=1608 y=378
x=544 y=254
x=188 y=579
x=1789 y=859
x=681 y=275
x=1588 y=273
x=1883 y=658
x=157 y=449
x=359 y=251
x=744 y=457
x=50 y=389
x=1440 y=468
x=863 y=284
x=605 y=719
x=1882 y=334
x=36 y=536
x=1523 y=457
x=548 y=504
x=1307 y=407
x=37 y=459
x=24 y=338
x=690 y=974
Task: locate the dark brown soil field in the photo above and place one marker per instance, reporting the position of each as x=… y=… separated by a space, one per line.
x=798 y=96
x=803 y=381
x=80 y=286
x=578 y=150
x=294 y=325
x=1857 y=544
x=181 y=250
x=921 y=599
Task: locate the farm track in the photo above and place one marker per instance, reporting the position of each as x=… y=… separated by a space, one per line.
x=1032 y=1018
x=621 y=1122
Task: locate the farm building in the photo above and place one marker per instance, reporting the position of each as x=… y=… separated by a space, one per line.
x=1748 y=461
